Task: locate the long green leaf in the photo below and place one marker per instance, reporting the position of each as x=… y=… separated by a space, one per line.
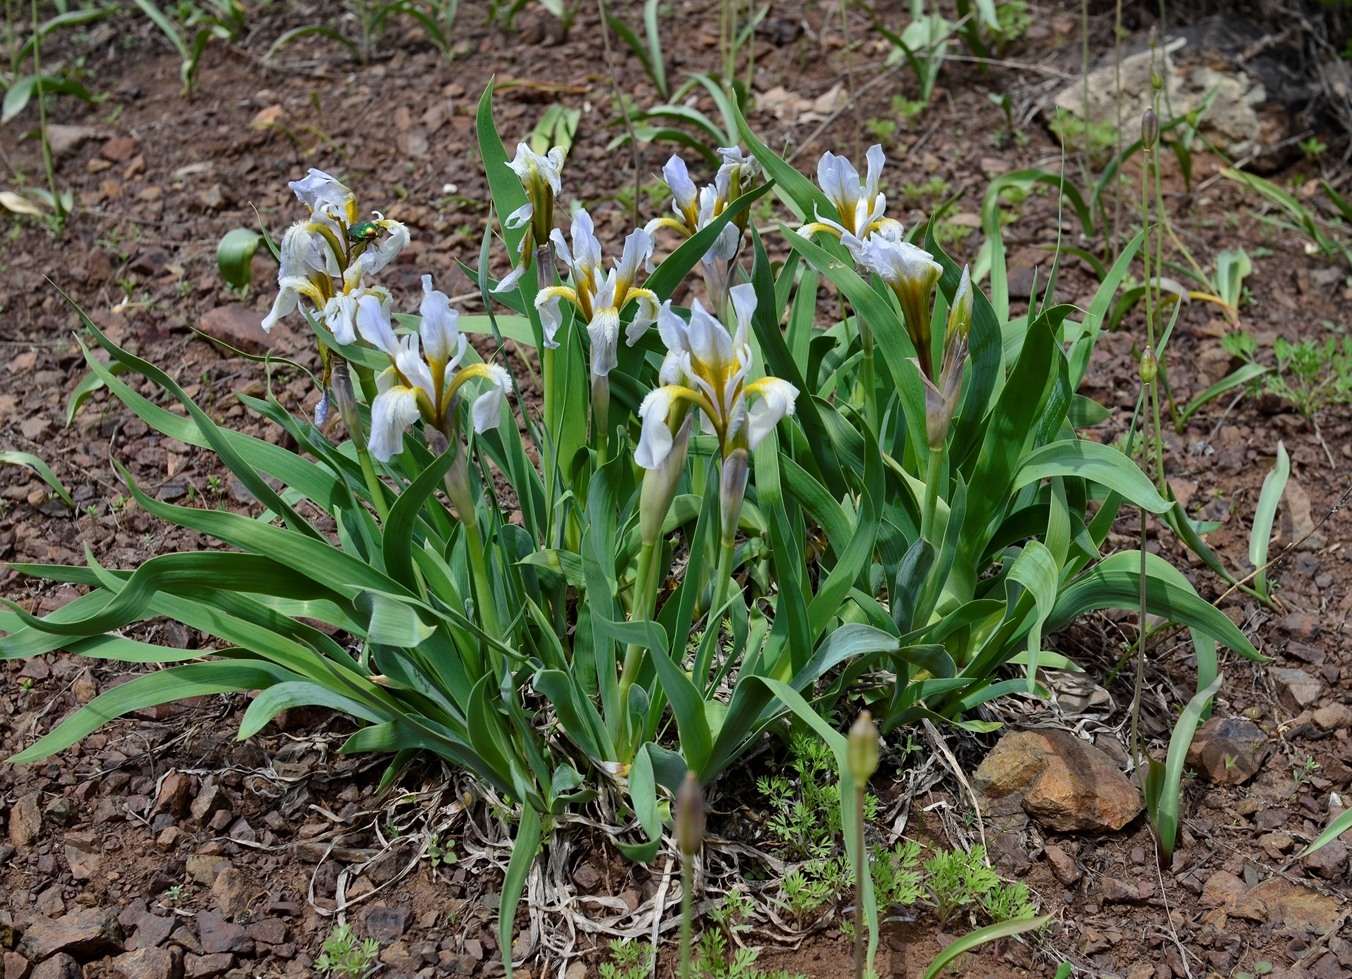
x=1101 y=464
x=11 y=458
x=1274 y=485
x=979 y=937
x=1164 y=808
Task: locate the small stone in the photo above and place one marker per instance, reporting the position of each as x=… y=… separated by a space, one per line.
x=232 y=892
x=88 y=934
x=145 y=963
x=1113 y=890
x=14 y=965
x=1063 y=865
x=577 y=969
x=1296 y=689
x=1332 y=717
x=83 y=856
x=1227 y=750
x=207 y=966
x=237 y=326
x=1300 y=625
x=474 y=949
x=119 y=149
x=152 y=929
x=385 y=924
x=212 y=199
x=218 y=935
x=25 y=820
x=59 y=966
x=210 y=800
x=204 y=868
x=1296 y=907
x=174 y=795
x=1276 y=845
x=1329 y=861
x=586 y=878
x=268 y=931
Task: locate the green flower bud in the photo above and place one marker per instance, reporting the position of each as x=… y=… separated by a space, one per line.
x=1150 y=366
x=690 y=816
x=862 y=749
x=732 y=492
x=1150 y=128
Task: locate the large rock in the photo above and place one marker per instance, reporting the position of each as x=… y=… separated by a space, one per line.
x=86 y=935
x=1251 y=96
x=1063 y=783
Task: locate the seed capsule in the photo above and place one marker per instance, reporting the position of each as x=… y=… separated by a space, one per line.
x=690 y=816
x=1150 y=128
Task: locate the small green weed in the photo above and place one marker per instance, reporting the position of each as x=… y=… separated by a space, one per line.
x=345 y=956
x=628 y=960
x=1311 y=374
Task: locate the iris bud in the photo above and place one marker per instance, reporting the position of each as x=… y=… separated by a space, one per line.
x=862 y=748
x=1150 y=366
x=690 y=816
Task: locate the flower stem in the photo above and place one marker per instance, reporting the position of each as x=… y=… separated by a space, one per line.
x=687 y=913
x=861 y=868
x=931 y=511
x=600 y=399
x=645 y=597
x=722 y=579
x=870 y=384
x=457 y=488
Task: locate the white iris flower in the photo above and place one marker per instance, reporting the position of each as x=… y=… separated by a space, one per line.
x=422 y=379
x=706 y=366
x=599 y=301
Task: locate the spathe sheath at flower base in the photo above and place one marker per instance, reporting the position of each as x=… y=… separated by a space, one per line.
x=706 y=367
x=422 y=380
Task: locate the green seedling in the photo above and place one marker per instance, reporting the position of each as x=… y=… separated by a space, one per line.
x=345 y=956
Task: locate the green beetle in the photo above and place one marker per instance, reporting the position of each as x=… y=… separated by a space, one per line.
x=364 y=231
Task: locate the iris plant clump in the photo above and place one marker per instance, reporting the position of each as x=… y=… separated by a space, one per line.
x=752 y=511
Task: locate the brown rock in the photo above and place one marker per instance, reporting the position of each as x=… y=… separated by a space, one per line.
x=1064 y=867
x=210 y=798
x=119 y=149
x=59 y=966
x=207 y=966
x=235 y=325
x=1332 y=717
x=232 y=892
x=1064 y=783
x=15 y=966
x=147 y=963
x=1329 y=861
x=175 y=795
x=83 y=856
x=385 y=924
x=1293 y=906
x=1113 y=890
x=25 y=820
x=218 y=935
x=86 y=934
x=1296 y=689
x=1227 y=750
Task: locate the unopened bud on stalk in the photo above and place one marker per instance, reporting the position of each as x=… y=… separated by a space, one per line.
x=1156 y=80
x=344 y=398
x=1150 y=128
x=732 y=492
x=862 y=749
x=659 y=486
x=1150 y=366
x=690 y=816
